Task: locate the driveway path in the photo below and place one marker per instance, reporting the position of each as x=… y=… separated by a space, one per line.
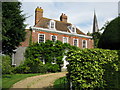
x=40 y=81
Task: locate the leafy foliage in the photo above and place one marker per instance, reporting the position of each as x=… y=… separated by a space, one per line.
x=110 y=38
x=51 y=52
x=52 y=67
x=94 y=68
x=6 y=65
x=96 y=37
x=13 y=28
x=31 y=66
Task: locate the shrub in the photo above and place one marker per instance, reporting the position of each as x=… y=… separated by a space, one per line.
x=6 y=65
x=94 y=68
x=52 y=67
x=31 y=66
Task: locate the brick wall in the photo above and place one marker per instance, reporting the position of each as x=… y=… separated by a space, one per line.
x=27 y=38
x=60 y=38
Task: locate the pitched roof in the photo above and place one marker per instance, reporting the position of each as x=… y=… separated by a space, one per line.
x=60 y=25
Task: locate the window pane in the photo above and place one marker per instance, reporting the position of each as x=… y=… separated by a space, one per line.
x=75 y=42
x=41 y=38
x=52 y=24
x=84 y=44
x=64 y=39
x=53 y=38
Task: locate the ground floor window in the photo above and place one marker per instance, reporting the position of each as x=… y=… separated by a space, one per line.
x=54 y=38
x=41 y=38
x=65 y=39
x=75 y=42
x=84 y=43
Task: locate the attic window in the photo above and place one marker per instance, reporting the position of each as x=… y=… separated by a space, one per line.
x=52 y=24
x=72 y=29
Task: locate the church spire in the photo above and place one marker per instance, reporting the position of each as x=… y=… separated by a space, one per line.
x=95 y=23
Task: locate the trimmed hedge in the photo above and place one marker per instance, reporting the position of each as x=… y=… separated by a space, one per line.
x=94 y=68
x=110 y=38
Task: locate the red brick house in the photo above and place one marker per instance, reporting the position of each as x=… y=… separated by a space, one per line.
x=49 y=29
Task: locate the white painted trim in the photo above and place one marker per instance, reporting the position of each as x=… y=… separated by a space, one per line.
x=41 y=34
x=77 y=42
x=85 y=44
x=70 y=28
x=61 y=32
x=52 y=21
x=67 y=39
x=55 y=36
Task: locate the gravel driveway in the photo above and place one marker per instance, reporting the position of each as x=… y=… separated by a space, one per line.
x=40 y=81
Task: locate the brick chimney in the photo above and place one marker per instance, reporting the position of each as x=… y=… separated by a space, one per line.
x=38 y=14
x=63 y=18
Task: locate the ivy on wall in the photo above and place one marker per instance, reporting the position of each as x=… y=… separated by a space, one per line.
x=49 y=51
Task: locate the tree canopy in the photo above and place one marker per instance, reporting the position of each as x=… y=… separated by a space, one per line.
x=110 y=38
x=13 y=27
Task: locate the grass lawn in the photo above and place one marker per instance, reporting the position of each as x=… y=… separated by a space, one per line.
x=8 y=80
x=61 y=83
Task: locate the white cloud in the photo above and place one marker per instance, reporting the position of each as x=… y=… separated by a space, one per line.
x=79 y=13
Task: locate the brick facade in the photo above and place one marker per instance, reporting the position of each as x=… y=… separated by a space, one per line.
x=59 y=37
x=60 y=29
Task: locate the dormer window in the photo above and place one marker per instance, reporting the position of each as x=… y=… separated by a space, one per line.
x=72 y=29
x=52 y=24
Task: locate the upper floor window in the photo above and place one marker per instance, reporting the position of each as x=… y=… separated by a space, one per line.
x=84 y=43
x=54 y=38
x=72 y=28
x=75 y=42
x=52 y=24
x=41 y=38
x=65 y=39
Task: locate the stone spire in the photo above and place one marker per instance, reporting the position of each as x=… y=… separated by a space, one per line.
x=95 y=23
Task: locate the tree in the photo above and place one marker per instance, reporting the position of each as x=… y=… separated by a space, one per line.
x=96 y=37
x=13 y=28
x=110 y=38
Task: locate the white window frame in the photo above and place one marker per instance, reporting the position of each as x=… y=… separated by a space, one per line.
x=54 y=62
x=64 y=41
x=77 y=42
x=50 y=24
x=70 y=28
x=53 y=35
x=39 y=35
x=85 y=43
x=42 y=60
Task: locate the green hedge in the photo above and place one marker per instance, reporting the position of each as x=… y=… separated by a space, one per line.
x=94 y=68
x=6 y=64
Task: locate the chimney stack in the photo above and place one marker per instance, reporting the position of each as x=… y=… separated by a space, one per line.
x=63 y=18
x=38 y=14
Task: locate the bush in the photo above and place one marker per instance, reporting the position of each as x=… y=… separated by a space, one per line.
x=94 y=68
x=6 y=65
x=52 y=67
x=31 y=66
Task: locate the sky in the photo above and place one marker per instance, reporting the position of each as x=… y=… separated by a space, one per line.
x=79 y=13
